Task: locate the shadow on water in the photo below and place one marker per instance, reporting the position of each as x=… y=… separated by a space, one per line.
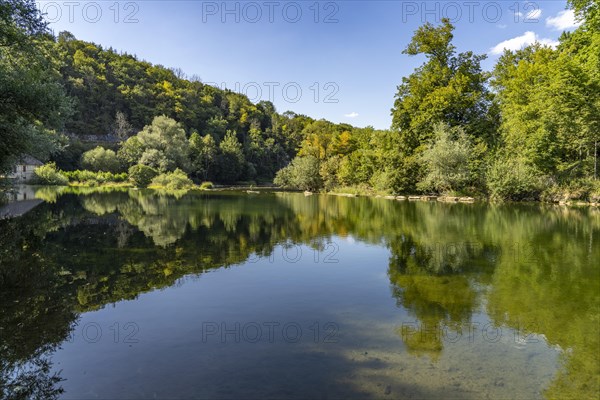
x=532 y=269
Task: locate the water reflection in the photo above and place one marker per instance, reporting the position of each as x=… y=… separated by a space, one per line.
x=527 y=268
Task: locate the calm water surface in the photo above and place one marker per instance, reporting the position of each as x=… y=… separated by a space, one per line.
x=133 y=294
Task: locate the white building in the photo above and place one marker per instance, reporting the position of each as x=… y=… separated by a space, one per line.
x=23 y=170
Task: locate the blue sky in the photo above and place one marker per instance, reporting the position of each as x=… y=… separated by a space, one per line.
x=339 y=60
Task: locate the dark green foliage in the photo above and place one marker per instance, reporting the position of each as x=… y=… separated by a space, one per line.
x=203 y=156
x=231 y=159
x=141 y=175
x=69 y=158
x=32 y=100
x=117 y=94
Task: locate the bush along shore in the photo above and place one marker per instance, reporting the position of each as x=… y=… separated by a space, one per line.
x=141 y=176
x=566 y=199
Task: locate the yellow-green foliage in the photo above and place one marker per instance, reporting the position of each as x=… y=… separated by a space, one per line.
x=175 y=180
x=91 y=177
x=48 y=174
x=513 y=179
x=141 y=175
x=100 y=159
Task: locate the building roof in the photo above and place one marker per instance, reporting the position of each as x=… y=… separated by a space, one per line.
x=26 y=159
x=18 y=208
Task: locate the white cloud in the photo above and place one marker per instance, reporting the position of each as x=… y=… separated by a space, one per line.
x=533 y=15
x=519 y=42
x=502 y=26
x=351 y=115
x=564 y=20
x=518 y=14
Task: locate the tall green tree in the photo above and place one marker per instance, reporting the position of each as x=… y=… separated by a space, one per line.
x=231 y=159
x=203 y=155
x=162 y=145
x=449 y=88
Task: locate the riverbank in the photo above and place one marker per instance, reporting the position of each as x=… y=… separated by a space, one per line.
x=342 y=192
x=366 y=192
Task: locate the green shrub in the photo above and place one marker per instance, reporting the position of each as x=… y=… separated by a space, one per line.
x=284 y=177
x=231 y=159
x=446 y=161
x=302 y=173
x=48 y=175
x=355 y=168
x=579 y=189
x=382 y=180
x=85 y=176
x=100 y=159
x=397 y=176
x=121 y=177
x=206 y=185
x=594 y=195
x=141 y=175
x=329 y=172
x=513 y=179
x=79 y=176
x=175 y=180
